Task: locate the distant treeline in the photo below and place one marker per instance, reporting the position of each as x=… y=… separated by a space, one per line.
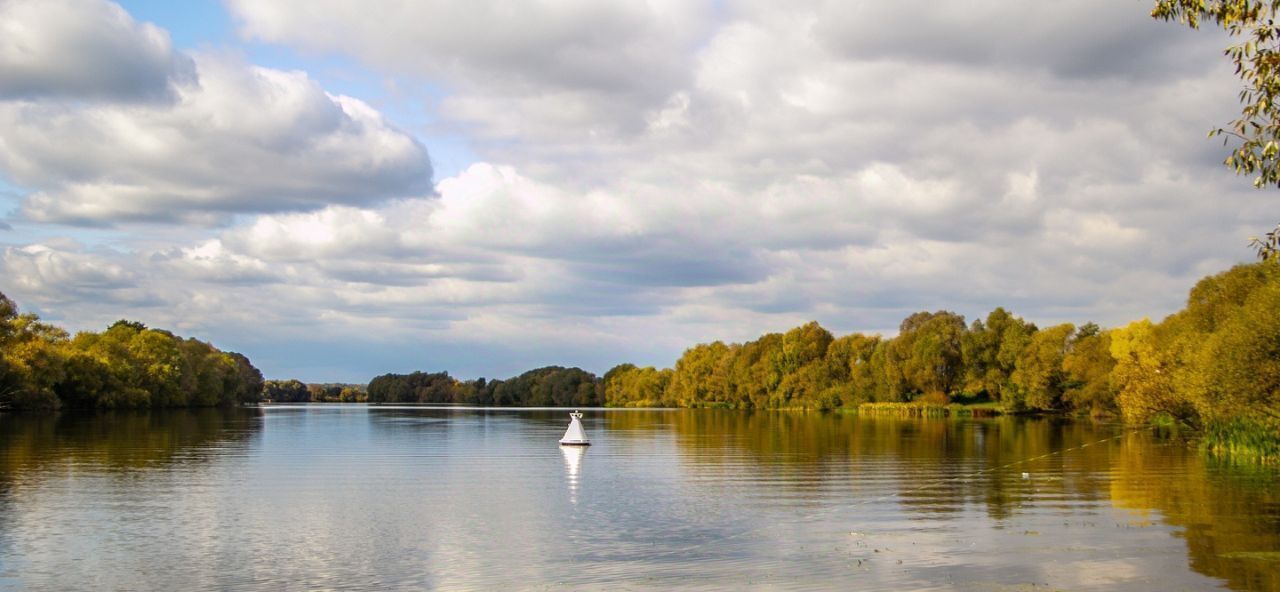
x=295 y=391
x=1216 y=361
x=128 y=365
x=550 y=386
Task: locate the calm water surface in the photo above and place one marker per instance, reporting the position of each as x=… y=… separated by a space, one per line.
x=354 y=497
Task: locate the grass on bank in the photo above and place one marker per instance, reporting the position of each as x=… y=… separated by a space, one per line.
x=926 y=409
x=1243 y=440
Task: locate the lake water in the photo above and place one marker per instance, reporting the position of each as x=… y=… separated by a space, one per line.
x=376 y=498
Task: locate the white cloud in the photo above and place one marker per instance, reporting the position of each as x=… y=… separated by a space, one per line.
x=655 y=175
x=528 y=71
x=64 y=272
x=229 y=138
x=84 y=48
x=213 y=263
x=1081 y=39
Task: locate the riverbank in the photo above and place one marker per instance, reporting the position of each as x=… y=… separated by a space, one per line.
x=920 y=409
x=1241 y=440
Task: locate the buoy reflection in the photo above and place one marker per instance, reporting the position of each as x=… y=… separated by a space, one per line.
x=573 y=464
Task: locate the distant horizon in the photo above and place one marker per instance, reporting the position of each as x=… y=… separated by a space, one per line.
x=339 y=191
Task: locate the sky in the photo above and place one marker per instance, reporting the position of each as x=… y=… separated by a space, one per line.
x=342 y=189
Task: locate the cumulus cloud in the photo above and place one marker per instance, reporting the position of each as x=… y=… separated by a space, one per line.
x=527 y=70
x=655 y=175
x=84 y=48
x=232 y=137
x=244 y=139
x=64 y=271
x=1083 y=39
x=1008 y=133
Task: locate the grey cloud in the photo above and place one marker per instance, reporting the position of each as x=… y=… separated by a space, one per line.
x=1050 y=159
x=207 y=287
x=244 y=139
x=65 y=273
x=406 y=273
x=214 y=267
x=592 y=300
x=84 y=49
x=1083 y=39
x=555 y=68
x=699 y=265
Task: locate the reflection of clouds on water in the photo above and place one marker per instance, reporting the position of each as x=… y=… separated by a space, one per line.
x=1102 y=573
x=573 y=464
x=426 y=498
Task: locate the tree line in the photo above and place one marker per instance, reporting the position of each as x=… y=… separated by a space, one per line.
x=1217 y=360
x=935 y=358
x=127 y=365
x=296 y=391
x=551 y=386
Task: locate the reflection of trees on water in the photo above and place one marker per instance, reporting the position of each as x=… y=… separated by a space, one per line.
x=1229 y=515
x=942 y=465
x=117 y=440
x=112 y=441
x=32 y=445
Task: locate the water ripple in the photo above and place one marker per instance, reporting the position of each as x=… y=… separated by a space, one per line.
x=375 y=498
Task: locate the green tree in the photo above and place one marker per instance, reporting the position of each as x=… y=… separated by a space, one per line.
x=1256 y=58
x=698 y=379
x=550 y=386
x=1243 y=375
x=1087 y=367
x=128 y=365
x=803 y=374
x=927 y=353
x=752 y=376
x=159 y=364
x=249 y=386
x=1142 y=377
x=1038 y=376
x=850 y=370
x=84 y=379
x=36 y=366
x=991 y=350
x=1225 y=344
x=629 y=386
x=1267 y=247
x=802 y=345
x=9 y=380
x=1257 y=62
x=885 y=371
x=32 y=359
x=294 y=391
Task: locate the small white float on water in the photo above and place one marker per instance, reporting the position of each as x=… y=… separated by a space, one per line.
x=575 y=436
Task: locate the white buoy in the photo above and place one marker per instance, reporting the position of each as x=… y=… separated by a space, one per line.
x=575 y=435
